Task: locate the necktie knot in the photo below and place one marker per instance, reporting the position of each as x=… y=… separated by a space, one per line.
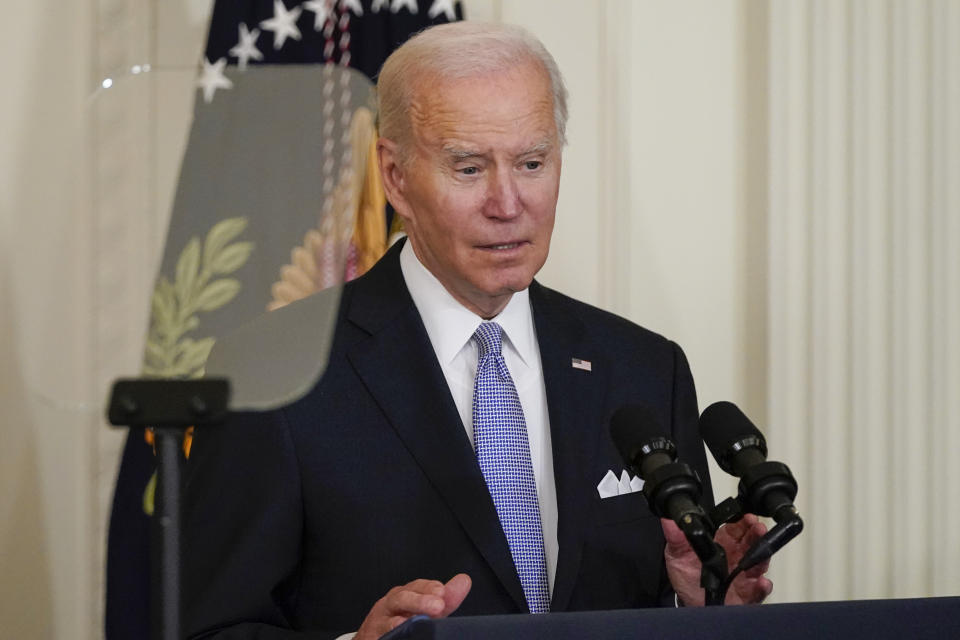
x=489 y=337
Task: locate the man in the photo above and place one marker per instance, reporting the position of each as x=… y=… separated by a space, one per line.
x=461 y=427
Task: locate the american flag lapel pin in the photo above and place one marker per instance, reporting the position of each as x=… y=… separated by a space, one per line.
x=577 y=363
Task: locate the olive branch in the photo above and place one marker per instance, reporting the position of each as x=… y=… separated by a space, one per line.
x=175 y=306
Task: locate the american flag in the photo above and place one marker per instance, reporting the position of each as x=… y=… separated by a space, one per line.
x=584 y=365
x=356 y=33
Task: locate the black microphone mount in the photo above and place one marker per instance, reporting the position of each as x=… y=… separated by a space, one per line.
x=672 y=490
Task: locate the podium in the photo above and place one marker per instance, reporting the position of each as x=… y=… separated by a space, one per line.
x=875 y=619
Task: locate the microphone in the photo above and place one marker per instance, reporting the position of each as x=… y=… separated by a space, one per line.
x=767 y=488
x=672 y=488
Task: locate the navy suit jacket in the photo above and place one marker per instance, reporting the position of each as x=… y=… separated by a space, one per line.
x=301 y=518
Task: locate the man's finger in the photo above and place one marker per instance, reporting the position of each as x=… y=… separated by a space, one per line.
x=759 y=530
x=767 y=587
x=737 y=537
x=405 y=601
x=750 y=537
x=759 y=570
x=455 y=591
x=749 y=590
x=736 y=531
x=762 y=588
x=422 y=585
x=676 y=541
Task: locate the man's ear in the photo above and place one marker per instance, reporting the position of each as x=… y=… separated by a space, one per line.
x=392 y=174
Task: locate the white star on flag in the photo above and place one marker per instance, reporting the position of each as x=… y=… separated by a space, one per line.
x=283 y=23
x=411 y=5
x=321 y=11
x=442 y=6
x=246 y=48
x=379 y=4
x=212 y=78
x=353 y=5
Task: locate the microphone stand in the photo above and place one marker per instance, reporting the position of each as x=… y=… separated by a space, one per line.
x=170 y=407
x=713 y=559
x=677 y=479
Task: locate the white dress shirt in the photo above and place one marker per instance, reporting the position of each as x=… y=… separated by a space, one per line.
x=450 y=327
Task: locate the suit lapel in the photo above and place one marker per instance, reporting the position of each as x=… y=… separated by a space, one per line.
x=574 y=398
x=399 y=368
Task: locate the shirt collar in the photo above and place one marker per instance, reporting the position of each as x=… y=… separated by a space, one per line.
x=450 y=325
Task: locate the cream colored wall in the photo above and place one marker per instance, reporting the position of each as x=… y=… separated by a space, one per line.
x=80 y=232
x=47 y=571
x=864 y=281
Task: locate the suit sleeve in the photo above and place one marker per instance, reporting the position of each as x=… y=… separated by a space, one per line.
x=685 y=433
x=243 y=522
x=685 y=420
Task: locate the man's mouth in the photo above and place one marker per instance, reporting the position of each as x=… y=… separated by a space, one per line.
x=505 y=246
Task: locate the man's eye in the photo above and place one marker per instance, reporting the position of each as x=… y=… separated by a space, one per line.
x=469 y=171
x=532 y=165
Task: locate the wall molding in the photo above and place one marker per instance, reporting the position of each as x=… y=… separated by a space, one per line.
x=615 y=207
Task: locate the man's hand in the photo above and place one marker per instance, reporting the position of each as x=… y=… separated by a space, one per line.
x=427 y=597
x=683 y=566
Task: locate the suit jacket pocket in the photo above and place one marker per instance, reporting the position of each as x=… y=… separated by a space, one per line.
x=623 y=508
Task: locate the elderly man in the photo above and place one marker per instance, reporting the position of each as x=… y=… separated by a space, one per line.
x=461 y=428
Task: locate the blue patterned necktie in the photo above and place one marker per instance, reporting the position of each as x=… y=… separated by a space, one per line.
x=500 y=438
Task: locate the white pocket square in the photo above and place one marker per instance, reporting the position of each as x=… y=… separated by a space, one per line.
x=611 y=486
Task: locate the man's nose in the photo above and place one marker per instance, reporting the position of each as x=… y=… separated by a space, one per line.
x=503 y=197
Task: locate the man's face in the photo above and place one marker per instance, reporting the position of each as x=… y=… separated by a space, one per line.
x=478 y=190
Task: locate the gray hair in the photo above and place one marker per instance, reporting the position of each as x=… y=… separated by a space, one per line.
x=459 y=50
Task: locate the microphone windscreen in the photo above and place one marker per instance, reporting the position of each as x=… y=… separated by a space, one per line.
x=723 y=425
x=631 y=427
